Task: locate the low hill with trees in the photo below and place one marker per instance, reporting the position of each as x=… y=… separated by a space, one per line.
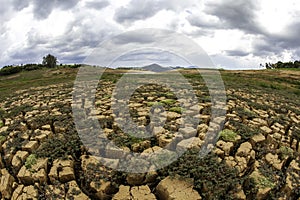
x=49 y=61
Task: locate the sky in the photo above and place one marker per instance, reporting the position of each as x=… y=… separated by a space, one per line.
x=236 y=34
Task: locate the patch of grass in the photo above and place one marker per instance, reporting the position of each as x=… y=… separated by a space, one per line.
x=285 y=152
x=245 y=113
x=36 y=78
x=213 y=179
x=228 y=135
x=2 y=139
x=125 y=140
x=244 y=131
x=168 y=101
x=60 y=147
x=169 y=94
x=264 y=182
x=1 y=123
x=19 y=109
x=178 y=110
x=30 y=161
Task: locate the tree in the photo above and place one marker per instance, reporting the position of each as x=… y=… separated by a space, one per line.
x=49 y=61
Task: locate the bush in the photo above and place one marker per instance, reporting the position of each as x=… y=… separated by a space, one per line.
x=228 y=135
x=178 y=110
x=8 y=70
x=30 y=161
x=285 y=152
x=168 y=101
x=214 y=180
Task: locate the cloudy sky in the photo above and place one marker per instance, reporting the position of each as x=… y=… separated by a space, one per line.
x=234 y=33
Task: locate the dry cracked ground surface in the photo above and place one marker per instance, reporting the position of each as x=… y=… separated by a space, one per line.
x=255 y=157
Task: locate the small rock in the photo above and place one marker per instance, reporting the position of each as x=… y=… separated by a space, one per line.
x=277 y=136
x=55 y=190
x=103 y=189
x=31 y=146
x=7 y=181
x=142 y=193
x=113 y=152
x=183 y=145
x=158 y=131
x=188 y=132
x=175 y=189
x=241 y=163
x=164 y=140
x=172 y=116
x=62 y=170
x=274 y=161
x=25 y=176
x=19 y=158
x=123 y=193
x=29 y=192
x=18 y=191
x=244 y=150
x=46 y=127
x=259 y=138
x=74 y=192
x=227 y=147
x=230 y=161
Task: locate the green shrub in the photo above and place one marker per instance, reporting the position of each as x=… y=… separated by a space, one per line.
x=264 y=182
x=8 y=70
x=30 y=161
x=2 y=139
x=285 y=152
x=61 y=146
x=177 y=109
x=214 y=180
x=15 y=111
x=228 y=135
x=243 y=112
x=168 y=101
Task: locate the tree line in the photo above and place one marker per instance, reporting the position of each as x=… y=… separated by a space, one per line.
x=282 y=65
x=49 y=61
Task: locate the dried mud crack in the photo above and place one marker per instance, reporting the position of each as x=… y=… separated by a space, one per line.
x=257 y=155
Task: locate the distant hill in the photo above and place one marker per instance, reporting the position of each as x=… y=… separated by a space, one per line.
x=156 y=68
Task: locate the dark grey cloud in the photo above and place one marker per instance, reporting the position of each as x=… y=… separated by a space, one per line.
x=236 y=14
x=242 y=15
x=98 y=5
x=42 y=9
x=276 y=43
x=231 y=14
x=137 y=10
x=140 y=10
x=203 y=21
x=20 y=4
x=238 y=53
x=134 y=37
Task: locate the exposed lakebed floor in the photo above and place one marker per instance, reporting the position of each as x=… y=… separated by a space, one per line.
x=255 y=157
